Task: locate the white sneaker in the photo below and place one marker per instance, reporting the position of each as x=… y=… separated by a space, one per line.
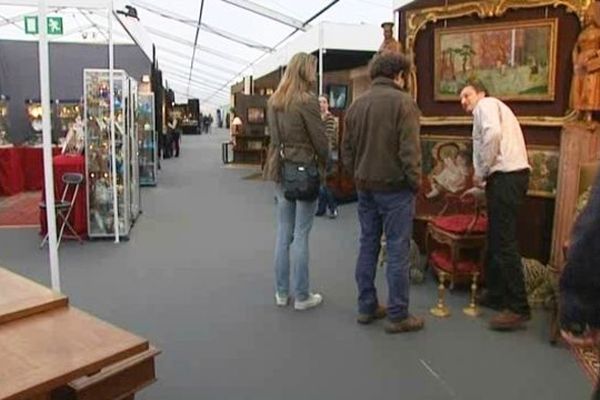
x=281 y=300
x=313 y=300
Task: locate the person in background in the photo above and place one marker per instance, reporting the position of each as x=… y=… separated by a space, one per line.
x=173 y=136
x=326 y=200
x=168 y=137
x=210 y=122
x=236 y=128
x=297 y=130
x=501 y=166
x=381 y=147
x=389 y=44
x=580 y=280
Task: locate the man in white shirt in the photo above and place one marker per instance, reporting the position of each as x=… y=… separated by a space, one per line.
x=500 y=162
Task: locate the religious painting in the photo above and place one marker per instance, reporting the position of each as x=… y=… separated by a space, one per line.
x=447 y=172
x=515 y=61
x=544 y=170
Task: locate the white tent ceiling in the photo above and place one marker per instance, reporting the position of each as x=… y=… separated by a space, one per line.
x=230 y=41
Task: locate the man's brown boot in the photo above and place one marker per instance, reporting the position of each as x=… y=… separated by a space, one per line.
x=508 y=321
x=365 y=319
x=408 y=324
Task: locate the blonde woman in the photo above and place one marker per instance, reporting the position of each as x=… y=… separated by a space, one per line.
x=294 y=122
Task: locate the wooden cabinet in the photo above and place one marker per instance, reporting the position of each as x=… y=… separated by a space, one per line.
x=250 y=149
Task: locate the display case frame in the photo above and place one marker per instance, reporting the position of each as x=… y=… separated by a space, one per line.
x=147 y=140
x=98 y=153
x=133 y=161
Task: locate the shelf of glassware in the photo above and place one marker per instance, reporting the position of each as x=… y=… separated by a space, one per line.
x=67 y=113
x=147 y=140
x=4 y=121
x=98 y=154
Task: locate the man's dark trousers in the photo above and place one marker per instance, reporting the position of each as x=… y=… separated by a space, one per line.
x=391 y=213
x=505 y=192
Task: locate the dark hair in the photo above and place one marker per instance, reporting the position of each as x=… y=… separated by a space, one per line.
x=477 y=85
x=389 y=65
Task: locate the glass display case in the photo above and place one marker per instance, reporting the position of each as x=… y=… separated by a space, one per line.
x=4 y=124
x=133 y=160
x=34 y=115
x=66 y=114
x=147 y=140
x=98 y=153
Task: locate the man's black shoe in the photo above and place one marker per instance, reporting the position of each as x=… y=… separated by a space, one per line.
x=483 y=299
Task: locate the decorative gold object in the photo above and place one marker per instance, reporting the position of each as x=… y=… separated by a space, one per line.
x=523 y=120
x=441 y=310
x=472 y=310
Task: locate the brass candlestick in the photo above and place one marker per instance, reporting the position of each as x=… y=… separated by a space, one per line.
x=441 y=310
x=472 y=310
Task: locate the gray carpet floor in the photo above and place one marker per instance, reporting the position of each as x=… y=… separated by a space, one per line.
x=196 y=279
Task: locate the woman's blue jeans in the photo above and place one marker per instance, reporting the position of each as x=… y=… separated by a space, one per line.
x=294 y=222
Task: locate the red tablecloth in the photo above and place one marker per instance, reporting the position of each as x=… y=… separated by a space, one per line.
x=78 y=218
x=12 y=179
x=33 y=166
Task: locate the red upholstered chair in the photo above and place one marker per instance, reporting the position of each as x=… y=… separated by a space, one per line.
x=456 y=243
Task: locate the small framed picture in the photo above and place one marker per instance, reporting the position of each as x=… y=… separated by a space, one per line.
x=338 y=96
x=256 y=115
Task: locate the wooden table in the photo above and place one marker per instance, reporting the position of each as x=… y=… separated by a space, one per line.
x=52 y=351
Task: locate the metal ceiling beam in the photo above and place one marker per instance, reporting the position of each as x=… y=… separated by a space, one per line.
x=89 y=19
x=196 y=90
x=203 y=26
x=267 y=13
x=187 y=56
x=315 y=16
x=17 y=18
x=211 y=78
x=205 y=49
x=196 y=42
x=179 y=75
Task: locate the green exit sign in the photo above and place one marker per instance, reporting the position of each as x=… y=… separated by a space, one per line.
x=54 y=25
x=31 y=25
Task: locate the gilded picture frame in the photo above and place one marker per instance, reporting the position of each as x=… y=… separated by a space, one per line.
x=516 y=61
x=544 y=161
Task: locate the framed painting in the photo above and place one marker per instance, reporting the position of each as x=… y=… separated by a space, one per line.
x=255 y=115
x=515 y=61
x=447 y=171
x=544 y=170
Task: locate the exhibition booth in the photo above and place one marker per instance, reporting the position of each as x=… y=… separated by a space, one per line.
x=81 y=136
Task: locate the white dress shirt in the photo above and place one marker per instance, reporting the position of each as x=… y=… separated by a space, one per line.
x=498 y=143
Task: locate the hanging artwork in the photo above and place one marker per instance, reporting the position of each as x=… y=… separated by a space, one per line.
x=447 y=171
x=515 y=61
x=544 y=170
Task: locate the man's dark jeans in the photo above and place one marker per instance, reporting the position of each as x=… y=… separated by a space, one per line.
x=505 y=192
x=391 y=213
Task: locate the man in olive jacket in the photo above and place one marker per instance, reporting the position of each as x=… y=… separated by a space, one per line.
x=381 y=147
